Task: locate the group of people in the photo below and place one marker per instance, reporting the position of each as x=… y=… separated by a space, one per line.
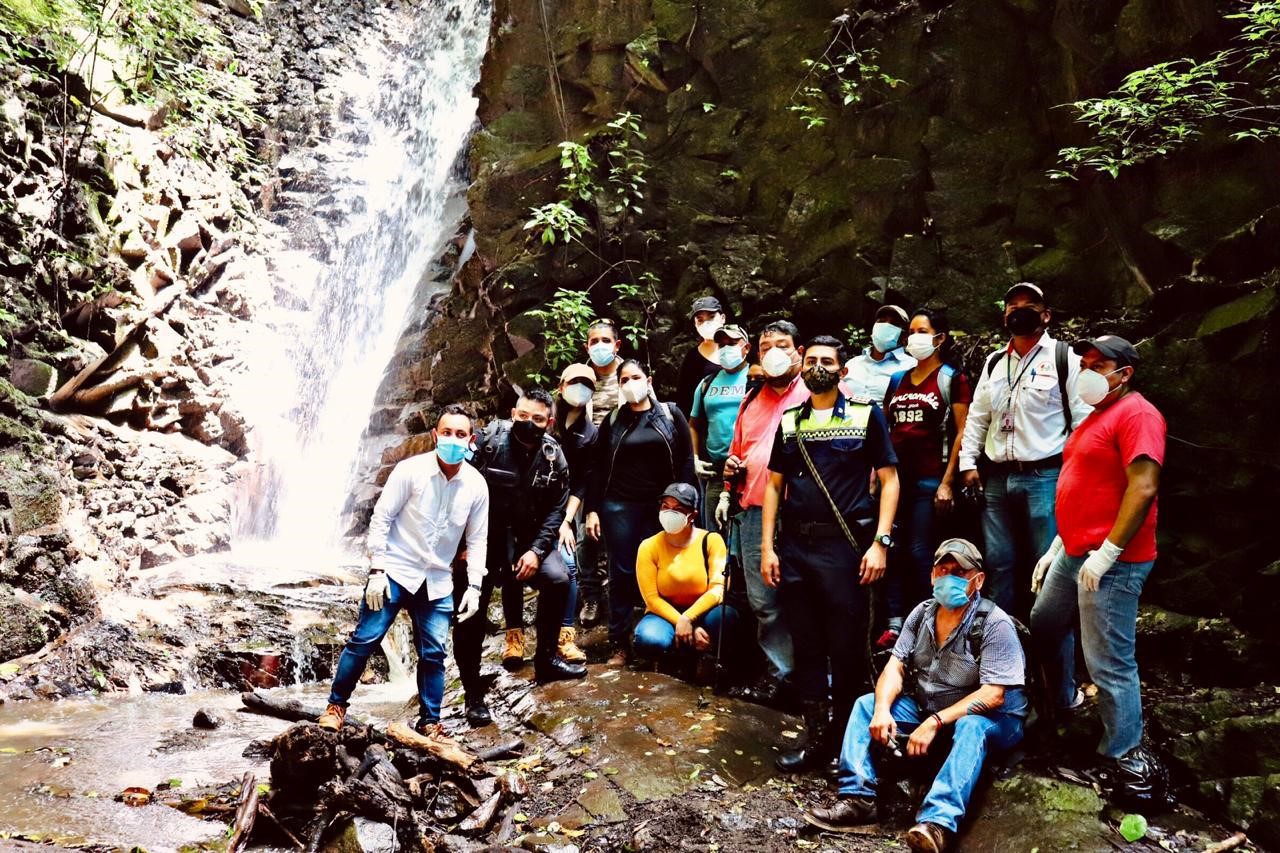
x=808 y=477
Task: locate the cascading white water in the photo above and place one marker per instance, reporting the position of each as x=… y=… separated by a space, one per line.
x=406 y=111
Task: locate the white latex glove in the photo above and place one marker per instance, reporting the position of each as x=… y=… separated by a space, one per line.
x=1097 y=564
x=375 y=590
x=1044 y=564
x=703 y=468
x=722 y=509
x=470 y=604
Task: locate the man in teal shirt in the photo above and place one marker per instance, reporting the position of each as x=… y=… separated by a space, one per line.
x=715 y=410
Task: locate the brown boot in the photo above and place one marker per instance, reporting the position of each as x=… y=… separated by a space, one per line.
x=928 y=838
x=332 y=717
x=568 y=647
x=513 y=651
x=847 y=813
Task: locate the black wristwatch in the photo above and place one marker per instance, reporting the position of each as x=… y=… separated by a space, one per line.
x=476 y=587
x=885 y=539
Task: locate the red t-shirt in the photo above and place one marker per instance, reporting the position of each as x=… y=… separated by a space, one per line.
x=917 y=423
x=1093 y=480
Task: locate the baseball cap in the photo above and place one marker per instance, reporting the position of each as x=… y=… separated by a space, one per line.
x=1113 y=347
x=898 y=312
x=731 y=332
x=579 y=373
x=705 y=303
x=1025 y=287
x=682 y=492
x=962 y=551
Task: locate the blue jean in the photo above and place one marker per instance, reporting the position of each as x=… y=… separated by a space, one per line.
x=909 y=568
x=655 y=636
x=1108 y=623
x=430 y=634
x=625 y=524
x=771 y=631
x=972 y=737
x=1019 y=526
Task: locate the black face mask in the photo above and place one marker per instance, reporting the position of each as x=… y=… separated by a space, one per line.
x=819 y=379
x=1023 y=321
x=527 y=432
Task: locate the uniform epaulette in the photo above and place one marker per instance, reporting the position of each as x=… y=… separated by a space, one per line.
x=861 y=399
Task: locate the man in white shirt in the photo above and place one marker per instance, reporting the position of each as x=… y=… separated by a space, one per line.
x=1024 y=405
x=868 y=374
x=432 y=504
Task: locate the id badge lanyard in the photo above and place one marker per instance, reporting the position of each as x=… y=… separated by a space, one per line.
x=1006 y=422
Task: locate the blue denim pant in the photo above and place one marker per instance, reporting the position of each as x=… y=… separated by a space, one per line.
x=655 y=636
x=973 y=736
x=1108 y=623
x=910 y=565
x=430 y=634
x=1019 y=525
x=771 y=631
x=625 y=525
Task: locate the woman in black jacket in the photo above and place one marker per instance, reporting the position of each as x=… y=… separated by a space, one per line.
x=643 y=446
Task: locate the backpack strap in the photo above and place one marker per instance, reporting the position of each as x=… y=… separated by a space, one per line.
x=978 y=627
x=991 y=361
x=1060 y=359
x=945 y=374
x=894 y=381
x=703 y=387
x=706 y=561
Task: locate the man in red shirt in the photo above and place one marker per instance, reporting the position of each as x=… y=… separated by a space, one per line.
x=1105 y=507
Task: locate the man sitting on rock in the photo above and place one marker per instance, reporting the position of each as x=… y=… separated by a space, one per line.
x=954 y=683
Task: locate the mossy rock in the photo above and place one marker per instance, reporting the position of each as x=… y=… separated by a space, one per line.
x=1251 y=802
x=22 y=630
x=1021 y=812
x=1237 y=746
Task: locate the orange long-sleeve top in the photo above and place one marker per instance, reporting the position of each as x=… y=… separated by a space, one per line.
x=675 y=582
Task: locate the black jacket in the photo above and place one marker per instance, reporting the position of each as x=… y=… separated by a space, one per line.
x=672 y=426
x=577 y=442
x=528 y=491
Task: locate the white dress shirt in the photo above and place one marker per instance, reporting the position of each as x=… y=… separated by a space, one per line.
x=870 y=378
x=420 y=519
x=1034 y=407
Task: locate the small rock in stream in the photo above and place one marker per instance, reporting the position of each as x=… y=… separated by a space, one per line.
x=207 y=718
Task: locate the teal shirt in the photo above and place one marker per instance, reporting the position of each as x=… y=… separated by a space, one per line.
x=719 y=408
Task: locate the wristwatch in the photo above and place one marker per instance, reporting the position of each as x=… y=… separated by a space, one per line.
x=885 y=539
x=474 y=586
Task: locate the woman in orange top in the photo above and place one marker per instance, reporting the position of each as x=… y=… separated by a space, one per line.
x=680 y=573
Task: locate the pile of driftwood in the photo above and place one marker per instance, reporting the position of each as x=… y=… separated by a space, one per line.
x=434 y=796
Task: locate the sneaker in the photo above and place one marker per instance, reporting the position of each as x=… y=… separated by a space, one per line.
x=888 y=639
x=845 y=815
x=513 y=650
x=928 y=838
x=568 y=647
x=1077 y=702
x=332 y=717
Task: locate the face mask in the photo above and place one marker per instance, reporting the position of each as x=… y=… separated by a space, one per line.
x=951 y=592
x=885 y=336
x=730 y=357
x=920 y=345
x=1094 y=387
x=451 y=450
x=601 y=354
x=708 y=328
x=527 y=432
x=818 y=379
x=635 y=390
x=576 y=395
x=776 y=362
x=1023 y=321
x=673 y=520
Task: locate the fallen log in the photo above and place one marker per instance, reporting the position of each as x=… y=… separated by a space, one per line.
x=246 y=814
x=1227 y=843
x=501 y=750
x=441 y=747
x=285 y=709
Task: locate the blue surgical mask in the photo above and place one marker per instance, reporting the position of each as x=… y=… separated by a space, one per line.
x=730 y=357
x=951 y=592
x=885 y=336
x=601 y=354
x=452 y=450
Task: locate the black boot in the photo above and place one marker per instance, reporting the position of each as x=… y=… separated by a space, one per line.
x=557 y=668
x=817 y=749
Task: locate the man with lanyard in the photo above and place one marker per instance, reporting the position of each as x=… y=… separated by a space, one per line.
x=528 y=481
x=820 y=469
x=1024 y=405
x=432 y=504
x=603 y=346
x=746 y=471
x=1104 y=551
x=715 y=412
x=868 y=374
x=956 y=682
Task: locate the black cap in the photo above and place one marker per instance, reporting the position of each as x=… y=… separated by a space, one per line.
x=1025 y=287
x=682 y=492
x=705 y=303
x=731 y=332
x=1112 y=347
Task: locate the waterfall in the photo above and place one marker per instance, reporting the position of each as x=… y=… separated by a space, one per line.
x=391 y=168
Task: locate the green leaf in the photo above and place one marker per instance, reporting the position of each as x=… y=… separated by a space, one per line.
x=1133 y=827
x=8 y=670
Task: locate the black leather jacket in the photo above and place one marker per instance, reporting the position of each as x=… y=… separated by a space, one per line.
x=528 y=491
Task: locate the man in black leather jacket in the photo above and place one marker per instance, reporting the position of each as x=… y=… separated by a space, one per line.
x=528 y=481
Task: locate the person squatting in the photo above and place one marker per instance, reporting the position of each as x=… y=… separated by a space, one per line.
x=811 y=515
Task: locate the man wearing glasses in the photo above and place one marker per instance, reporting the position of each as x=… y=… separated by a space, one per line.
x=954 y=683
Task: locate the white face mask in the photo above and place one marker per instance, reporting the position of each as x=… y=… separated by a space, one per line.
x=776 y=362
x=920 y=345
x=635 y=390
x=885 y=336
x=707 y=328
x=577 y=395
x=730 y=356
x=1094 y=387
x=673 y=520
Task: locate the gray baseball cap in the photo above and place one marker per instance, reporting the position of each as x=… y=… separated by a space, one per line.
x=682 y=492
x=1113 y=347
x=962 y=551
